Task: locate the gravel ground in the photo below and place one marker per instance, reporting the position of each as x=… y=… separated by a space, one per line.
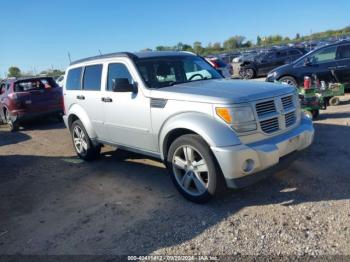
x=53 y=203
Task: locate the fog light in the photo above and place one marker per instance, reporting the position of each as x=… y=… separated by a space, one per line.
x=248 y=165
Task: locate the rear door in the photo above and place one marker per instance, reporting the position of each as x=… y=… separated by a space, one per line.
x=91 y=98
x=343 y=64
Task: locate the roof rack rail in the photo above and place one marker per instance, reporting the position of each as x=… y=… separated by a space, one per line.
x=111 y=55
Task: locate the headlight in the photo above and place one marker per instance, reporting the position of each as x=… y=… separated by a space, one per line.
x=273 y=74
x=240 y=118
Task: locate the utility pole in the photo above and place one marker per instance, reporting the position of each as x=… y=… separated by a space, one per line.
x=69 y=58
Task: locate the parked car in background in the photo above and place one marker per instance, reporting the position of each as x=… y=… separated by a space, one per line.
x=224 y=69
x=263 y=63
x=209 y=132
x=60 y=81
x=27 y=98
x=245 y=56
x=325 y=62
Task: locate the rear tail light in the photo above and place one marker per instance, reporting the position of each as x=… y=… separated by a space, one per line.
x=62 y=104
x=215 y=64
x=13 y=96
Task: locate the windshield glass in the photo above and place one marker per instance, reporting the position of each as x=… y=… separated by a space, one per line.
x=167 y=71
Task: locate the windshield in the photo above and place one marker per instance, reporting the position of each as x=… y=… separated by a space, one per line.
x=167 y=71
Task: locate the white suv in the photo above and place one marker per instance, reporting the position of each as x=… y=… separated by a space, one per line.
x=209 y=131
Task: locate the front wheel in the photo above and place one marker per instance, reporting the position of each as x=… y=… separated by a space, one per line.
x=83 y=145
x=193 y=169
x=289 y=80
x=247 y=73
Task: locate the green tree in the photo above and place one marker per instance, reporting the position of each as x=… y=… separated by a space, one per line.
x=230 y=44
x=14 y=72
x=258 y=40
x=197 y=47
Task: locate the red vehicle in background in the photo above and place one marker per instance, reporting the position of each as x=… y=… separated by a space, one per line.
x=29 y=98
x=224 y=69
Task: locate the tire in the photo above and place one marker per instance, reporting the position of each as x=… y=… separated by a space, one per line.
x=334 y=101
x=315 y=114
x=196 y=186
x=289 y=80
x=12 y=124
x=59 y=117
x=248 y=73
x=83 y=146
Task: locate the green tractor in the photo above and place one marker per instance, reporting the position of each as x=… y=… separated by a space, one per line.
x=311 y=102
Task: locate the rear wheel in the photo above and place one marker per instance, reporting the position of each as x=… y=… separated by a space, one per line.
x=289 y=80
x=334 y=101
x=83 y=145
x=12 y=124
x=193 y=169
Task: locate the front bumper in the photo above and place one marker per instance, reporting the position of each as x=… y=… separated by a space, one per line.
x=245 y=164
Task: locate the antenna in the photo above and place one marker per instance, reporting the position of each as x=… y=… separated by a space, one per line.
x=70 y=60
x=99 y=51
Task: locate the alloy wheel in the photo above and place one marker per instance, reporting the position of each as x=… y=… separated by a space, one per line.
x=79 y=140
x=191 y=170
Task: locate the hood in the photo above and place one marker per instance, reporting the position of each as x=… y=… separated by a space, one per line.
x=221 y=91
x=282 y=69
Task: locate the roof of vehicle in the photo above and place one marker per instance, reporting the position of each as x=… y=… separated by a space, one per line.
x=27 y=78
x=135 y=56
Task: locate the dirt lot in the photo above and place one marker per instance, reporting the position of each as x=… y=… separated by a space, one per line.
x=53 y=203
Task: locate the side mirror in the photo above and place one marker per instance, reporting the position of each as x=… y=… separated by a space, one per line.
x=307 y=62
x=123 y=85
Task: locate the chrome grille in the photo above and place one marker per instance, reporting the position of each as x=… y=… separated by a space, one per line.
x=269 y=126
x=276 y=114
x=265 y=108
x=287 y=102
x=290 y=119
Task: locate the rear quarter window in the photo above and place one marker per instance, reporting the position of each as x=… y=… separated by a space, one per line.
x=74 y=79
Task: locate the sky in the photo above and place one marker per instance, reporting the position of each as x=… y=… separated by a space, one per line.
x=37 y=34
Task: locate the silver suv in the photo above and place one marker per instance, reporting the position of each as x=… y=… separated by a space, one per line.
x=209 y=131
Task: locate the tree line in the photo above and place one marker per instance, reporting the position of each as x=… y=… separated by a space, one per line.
x=15 y=71
x=234 y=43
x=238 y=42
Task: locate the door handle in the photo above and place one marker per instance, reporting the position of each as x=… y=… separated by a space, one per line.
x=332 y=67
x=341 y=67
x=107 y=99
x=81 y=97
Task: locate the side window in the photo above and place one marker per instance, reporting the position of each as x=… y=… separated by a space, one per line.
x=343 y=52
x=324 y=55
x=117 y=70
x=294 y=52
x=74 y=79
x=281 y=54
x=92 y=78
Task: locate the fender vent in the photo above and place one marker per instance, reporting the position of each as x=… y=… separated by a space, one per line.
x=158 y=103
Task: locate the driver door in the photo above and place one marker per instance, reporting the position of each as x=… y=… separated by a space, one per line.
x=127 y=114
x=321 y=63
